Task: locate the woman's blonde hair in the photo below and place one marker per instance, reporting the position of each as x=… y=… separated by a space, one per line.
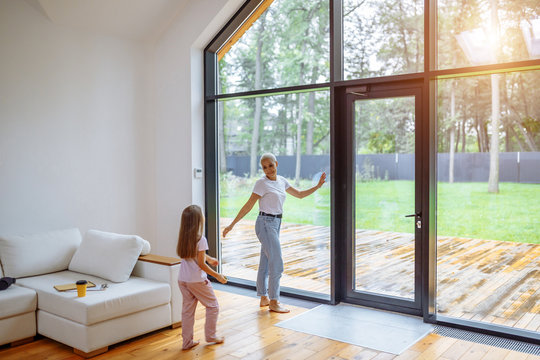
x=191 y=227
x=268 y=156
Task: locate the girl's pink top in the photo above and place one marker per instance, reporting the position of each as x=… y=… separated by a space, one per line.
x=189 y=268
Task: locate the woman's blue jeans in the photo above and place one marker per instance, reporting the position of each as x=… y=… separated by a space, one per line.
x=271 y=263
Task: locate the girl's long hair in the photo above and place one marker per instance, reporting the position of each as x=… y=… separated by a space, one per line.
x=190 y=233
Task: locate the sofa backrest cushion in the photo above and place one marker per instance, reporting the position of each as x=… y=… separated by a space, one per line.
x=107 y=255
x=37 y=254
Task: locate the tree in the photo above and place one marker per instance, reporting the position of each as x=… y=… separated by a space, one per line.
x=493 y=182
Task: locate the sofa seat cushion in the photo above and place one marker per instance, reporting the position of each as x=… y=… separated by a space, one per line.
x=119 y=299
x=16 y=300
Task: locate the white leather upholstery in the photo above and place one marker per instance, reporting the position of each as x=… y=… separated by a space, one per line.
x=108 y=255
x=36 y=254
x=119 y=299
x=168 y=274
x=16 y=300
x=105 y=333
x=148 y=300
x=17 y=314
x=17 y=327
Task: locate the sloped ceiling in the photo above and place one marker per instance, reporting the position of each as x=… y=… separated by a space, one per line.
x=133 y=19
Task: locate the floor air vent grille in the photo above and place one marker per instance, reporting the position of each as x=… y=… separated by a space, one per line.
x=487 y=339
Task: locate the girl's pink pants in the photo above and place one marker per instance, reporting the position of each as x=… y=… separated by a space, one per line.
x=191 y=293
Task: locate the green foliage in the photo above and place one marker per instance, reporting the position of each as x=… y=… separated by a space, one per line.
x=381 y=143
x=385 y=125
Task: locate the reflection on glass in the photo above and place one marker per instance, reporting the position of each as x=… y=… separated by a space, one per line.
x=384 y=241
x=488 y=229
x=296 y=128
x=487 y=32
x=382 y=37
x=287 y=45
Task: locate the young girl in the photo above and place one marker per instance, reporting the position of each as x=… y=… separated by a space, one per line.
x=192 y=279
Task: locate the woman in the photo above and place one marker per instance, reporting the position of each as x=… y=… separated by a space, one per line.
x=270 y=192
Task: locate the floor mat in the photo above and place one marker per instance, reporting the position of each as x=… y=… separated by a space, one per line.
x=375 y=329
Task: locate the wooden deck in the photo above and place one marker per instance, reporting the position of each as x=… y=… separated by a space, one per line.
x=483 y=280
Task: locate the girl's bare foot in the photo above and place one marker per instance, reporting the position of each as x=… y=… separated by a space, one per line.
x=192 y=345
x=264 y=301
x=275 y=306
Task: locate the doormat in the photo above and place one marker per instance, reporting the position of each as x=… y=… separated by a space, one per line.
x=375 y=329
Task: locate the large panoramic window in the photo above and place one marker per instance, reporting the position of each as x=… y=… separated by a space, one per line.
x=283 y=44
x=382 y=37
x=473 y=32
x=488 y=229
x=287 y=45
x=427 y=124
x=295 y=127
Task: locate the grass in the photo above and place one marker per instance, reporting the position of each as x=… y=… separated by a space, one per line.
x=464 y=209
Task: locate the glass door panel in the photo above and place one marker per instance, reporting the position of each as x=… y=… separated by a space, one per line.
x=386 y=216
x=384 y=159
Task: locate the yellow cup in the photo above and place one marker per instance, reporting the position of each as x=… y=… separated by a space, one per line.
x=81 y=287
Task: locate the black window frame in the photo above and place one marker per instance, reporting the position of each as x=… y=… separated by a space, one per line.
x=339 y=194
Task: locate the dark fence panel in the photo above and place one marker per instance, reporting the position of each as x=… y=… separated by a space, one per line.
x=468 y=167
x=508 y=167
x=529 y=167
x=385 y=166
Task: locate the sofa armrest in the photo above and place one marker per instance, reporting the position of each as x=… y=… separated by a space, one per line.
x=165 y=269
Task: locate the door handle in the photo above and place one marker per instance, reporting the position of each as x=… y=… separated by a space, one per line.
x=419 y=214
x=419 y=221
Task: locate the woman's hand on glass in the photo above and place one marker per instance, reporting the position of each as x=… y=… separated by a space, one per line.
x=322 y=180
x=227 y=229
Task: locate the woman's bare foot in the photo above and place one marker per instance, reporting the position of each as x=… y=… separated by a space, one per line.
x=192 y=345
x=218 y=340
x=275 y=306
x=264 y=301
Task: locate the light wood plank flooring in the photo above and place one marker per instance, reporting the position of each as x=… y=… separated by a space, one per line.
x=250 y=334
x=484 y=280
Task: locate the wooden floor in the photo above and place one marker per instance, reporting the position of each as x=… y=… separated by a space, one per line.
x=250 y=334
x=484 y=280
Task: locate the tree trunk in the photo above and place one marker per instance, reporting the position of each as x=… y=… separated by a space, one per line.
x=463 y=134
x=452 y=133
x=520 y=145
x=255 y=137
x=221 y=140
x=258 y=105
x=309 y=134
x=299 y=121
x=493 y=183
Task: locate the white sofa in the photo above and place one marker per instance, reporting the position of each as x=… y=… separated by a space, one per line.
x=142 y=293
x=17 y=315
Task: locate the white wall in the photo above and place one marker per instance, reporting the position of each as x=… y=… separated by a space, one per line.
x=102 y=132
x=76 y=147
x=179 y=113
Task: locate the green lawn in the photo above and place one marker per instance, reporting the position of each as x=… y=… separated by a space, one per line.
x=464 y=209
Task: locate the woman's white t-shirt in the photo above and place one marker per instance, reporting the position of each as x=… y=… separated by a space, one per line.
x=189 y=268
x=272 y=193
